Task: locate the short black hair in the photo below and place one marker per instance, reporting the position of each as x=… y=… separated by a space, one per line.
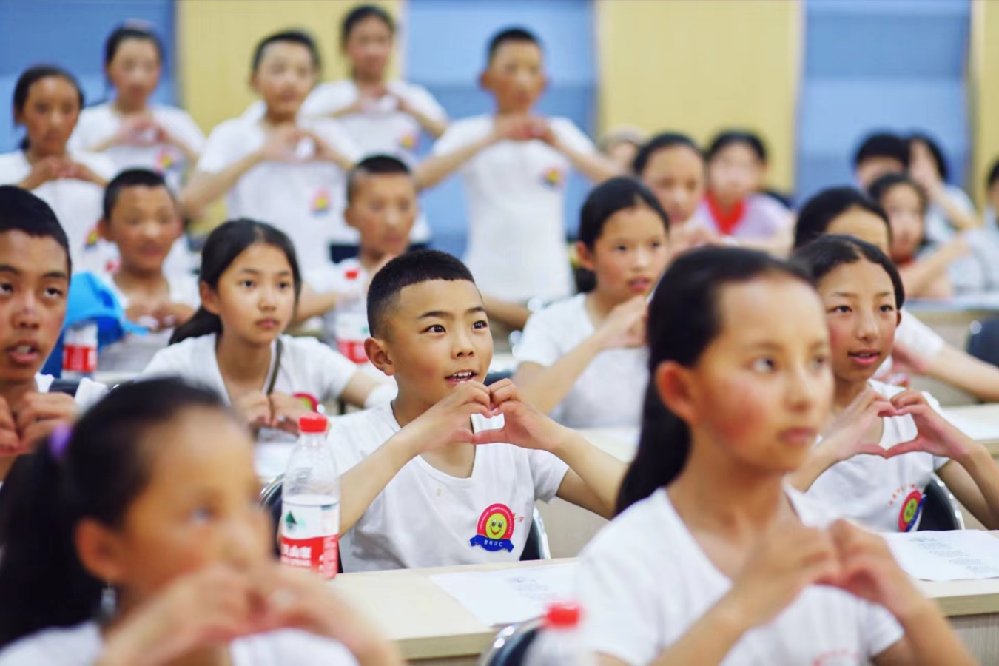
x=20 y=210
x=659 y=142
x=882 y=144
x=299 y=37
x=515 y=34
x=404 y=271
x=824 y=255
x=360 y=13
x=879 y=188
x=125 y=179
x=374 y=165
x=611 y=197
x=819 y=212
x=733 y=137
x=993 y=177
x=935 y=151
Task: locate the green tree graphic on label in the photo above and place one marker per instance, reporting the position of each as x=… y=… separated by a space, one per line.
x=290 y=522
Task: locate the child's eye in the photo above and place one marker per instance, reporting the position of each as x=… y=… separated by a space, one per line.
x=285 y=286
x=655 y=245
x=820 y=362
x=887 y=308
x=203 y=514
x=54 y=292
x=480 y=324
x=621 y=248
x=435 y=328
x=6 y=288
x=764 y=364
x=248 y=284
x=840 y=309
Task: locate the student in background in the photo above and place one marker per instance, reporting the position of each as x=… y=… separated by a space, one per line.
x=992 y=197
x=949 y=210
x=141 y=219
x=621 y=146
x=712 y=558
x=878 y=154
x=47 y=103
x=35 y=266
x=515 y=164
x=733 y=205
x=280 y=167
x=881 y=445
x=420 y=488
x=234 y=343
x=924 y=271
x=844 y=210
x=583 y=360
x=128 y=541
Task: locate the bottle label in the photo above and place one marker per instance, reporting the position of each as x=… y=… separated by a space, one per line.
x=351 y=330
x=309 y=533
x=79 y=351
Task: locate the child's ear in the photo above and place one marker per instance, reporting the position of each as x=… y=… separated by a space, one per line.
x=673 y=382
x=100 y=551
x=379 y=356
x=350 y=217
x=253 y=83
x=486 y=80
x=584 y=256
x=104 y=229
x=209 y=299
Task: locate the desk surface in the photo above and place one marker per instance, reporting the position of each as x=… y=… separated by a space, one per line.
x=980 y=422
x=427 y=623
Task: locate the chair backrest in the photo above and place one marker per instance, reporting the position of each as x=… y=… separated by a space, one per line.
x=536 y=547
x=270 y=499
x=67 y=386
x=983 y=340
x=940 y=510
x=510 y=645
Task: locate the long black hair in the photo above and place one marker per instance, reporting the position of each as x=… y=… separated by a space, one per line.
x=824 y=255
x=224 y=245
x=32 y=75
x=819 y=212
x=684 y=319
x=96 y=474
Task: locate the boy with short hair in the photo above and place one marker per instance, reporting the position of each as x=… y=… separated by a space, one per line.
x=35 y=267
x=515 y=164
x=879 y=153
x=419 y=487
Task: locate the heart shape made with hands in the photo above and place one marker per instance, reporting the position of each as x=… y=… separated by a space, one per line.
x=863 y=564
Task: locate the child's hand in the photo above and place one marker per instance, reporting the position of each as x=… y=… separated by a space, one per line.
x=46 y=170
x=512 y=128
x=171 y=315
x=624 y=327
x=541 y=130
x=136 y=131
x=38 y=414
x=80 y=171
x=281 y=144
x=909 y=358
x=285 y=410
x=323 y=151
x=523 y=425
x=10 y=440
x=450 y=420
x=255 y=407
x=845 y=437
x=936 y=435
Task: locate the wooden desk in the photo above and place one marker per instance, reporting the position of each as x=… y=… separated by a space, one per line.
x=431 y=627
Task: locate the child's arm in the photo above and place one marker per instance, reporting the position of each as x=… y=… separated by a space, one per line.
x=919 y=276
x=509 y=313
x=545 y=387
x=435 y=127
x=958 y=368
x=436 y=168
x=312 y=303
x=447 y=421
x=591 y=163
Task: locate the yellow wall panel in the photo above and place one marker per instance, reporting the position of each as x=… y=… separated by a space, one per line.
x=699 y=66
x=983 y=93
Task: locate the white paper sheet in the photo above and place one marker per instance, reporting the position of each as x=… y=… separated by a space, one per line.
x=956 y=555
x=511 y=595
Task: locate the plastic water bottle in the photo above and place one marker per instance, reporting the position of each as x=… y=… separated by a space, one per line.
x=558 y=642
x=79 y=350
x=310 y=504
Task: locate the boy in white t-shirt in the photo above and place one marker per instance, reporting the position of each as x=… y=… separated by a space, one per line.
x=514 y=165
x=419 y=489
x=35 y=266
x=283 y=169
x=141 y=219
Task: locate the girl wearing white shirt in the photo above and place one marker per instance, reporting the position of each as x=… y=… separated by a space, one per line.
x=584 y=359
x=845 y=210
x=137 y=538
x=950 y=209
x=859 y=468
x=47 y=102
x=287 y=170
x=712 y=559
x=249 y=286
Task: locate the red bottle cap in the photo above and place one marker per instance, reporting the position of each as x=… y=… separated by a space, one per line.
x=312 y=423
x=563 y=616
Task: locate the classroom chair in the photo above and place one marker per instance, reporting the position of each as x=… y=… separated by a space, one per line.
x=511 y=644
x=940 y=510
x=983 y=340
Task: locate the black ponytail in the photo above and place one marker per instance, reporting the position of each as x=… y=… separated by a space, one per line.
x=683 y=321
x=223 y=246
x=94 y=472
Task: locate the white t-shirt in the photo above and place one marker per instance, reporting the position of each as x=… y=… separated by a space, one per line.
x=82 y=645
x=882 y=494
x=426 y=518
x=305 y=199
x=917 y=338
x=516 y=200
x=76 y=203
x=611 y=390
x=133 y=352
x=87 y=393
x=938 y=226
x=644 y=580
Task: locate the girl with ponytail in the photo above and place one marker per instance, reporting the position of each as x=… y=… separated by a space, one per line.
x=249 y=284
x=127 y=541
x=713 y=558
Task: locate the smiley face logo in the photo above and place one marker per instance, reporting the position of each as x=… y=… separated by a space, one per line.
x=321 y=202
x=910 y=511
x=495 y=529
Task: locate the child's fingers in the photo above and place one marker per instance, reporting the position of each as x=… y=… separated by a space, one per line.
x=917 y=445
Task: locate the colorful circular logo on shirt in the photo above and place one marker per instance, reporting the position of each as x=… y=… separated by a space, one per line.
x=910 y=511
x=165 y=160
x=552 y=177
x=494 y=529
x=308 y=400
x=321 y=202
x=93 y=238
x=409 y=141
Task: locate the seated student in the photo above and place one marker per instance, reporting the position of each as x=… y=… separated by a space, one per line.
x=47 y=102
x=382 y=206
x=992 y=197
x=733 y=205
x=844 y=210
x=249 y=286
x=35 y=266
x=881 y=444
x=280 y=167
x=950 y=210
x=621 y=145
x=128 y=541
x=923 y=269
x=583 y=359
x=515 y=164
x=713 y=558
x=419 y=489
x=878 y=154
